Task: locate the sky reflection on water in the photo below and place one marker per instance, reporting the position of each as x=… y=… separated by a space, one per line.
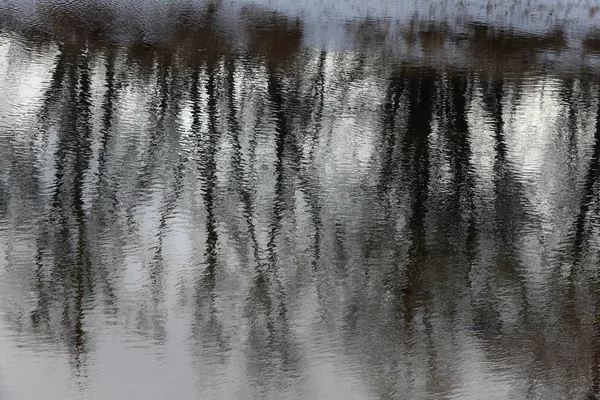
x=203 y=207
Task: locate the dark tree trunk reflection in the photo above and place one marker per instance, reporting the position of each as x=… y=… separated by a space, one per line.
x=281 y=217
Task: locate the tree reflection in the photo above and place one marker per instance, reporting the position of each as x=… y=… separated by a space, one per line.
x=379 y=210
x=416 y=168
x=65 y=234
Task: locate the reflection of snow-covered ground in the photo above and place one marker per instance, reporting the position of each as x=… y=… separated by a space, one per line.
x=421 y=32
x=325 y=17
x=326 y=20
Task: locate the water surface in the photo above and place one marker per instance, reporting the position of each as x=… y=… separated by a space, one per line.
x=235 y=200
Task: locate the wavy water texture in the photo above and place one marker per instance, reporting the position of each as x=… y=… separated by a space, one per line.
x=208 y=202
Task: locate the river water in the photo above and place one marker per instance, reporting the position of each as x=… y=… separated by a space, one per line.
x=299 y=200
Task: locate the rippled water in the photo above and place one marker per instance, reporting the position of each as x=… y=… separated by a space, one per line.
x=273 y=200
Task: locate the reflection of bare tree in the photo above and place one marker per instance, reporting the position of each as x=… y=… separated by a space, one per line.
x=106 y=187
x=268 y=299
x=588 y=199
x=509 y=206
x=392 y=104
x=582 y=231
x=463 y=195
x=239 y=165
x=65 y=235
x=415 y=165
x=416 y=168
x=208 y=327
x=399 y=276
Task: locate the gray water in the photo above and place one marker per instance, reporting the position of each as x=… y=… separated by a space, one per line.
x=231 y=200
